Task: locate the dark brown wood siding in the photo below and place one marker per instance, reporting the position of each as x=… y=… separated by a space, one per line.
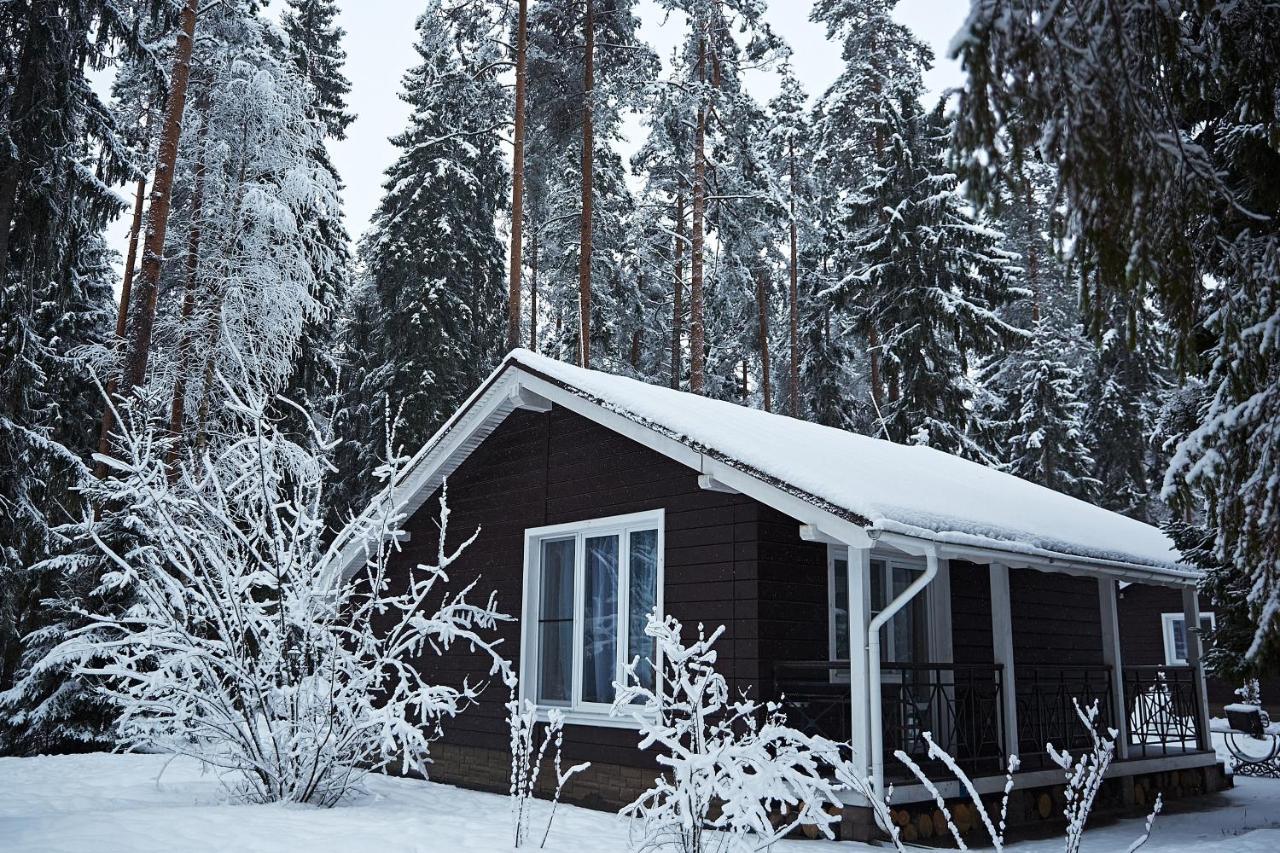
x=729 y=560
x=971 y=613
x=1056 y=619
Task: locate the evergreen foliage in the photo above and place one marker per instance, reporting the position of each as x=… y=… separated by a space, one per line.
x=1047 y=444
x=1162 y=121
x=436 y=296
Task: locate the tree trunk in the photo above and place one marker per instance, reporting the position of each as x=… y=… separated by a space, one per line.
x=533 y=291
x=177 y=410
x=122 y=321
x=161 y=191
x=762 y=305
x=517 y=180
x=793 y=389
x=697 y=332
x=588 y=143
x=677 y=303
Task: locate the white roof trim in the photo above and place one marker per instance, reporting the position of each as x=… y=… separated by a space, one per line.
x=512 y=386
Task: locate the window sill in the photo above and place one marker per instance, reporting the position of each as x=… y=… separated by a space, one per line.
x=592 y=718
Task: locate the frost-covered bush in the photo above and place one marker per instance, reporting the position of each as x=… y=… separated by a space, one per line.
x=1084 y=778
x=527 y=755
x=736 y=777
x=244 y=646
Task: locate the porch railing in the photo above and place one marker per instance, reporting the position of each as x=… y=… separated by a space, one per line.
x=1046 y=701
x=815 y=696
x=958 y=704
x=1161 y=703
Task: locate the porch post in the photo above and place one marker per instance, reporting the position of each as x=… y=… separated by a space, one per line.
x=1109 y=610
x=1002 y=647
x=860 y=694
x=1195 y=660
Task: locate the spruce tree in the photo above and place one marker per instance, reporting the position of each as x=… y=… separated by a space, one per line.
x=61 y=149
x=432 y=255
x=923 y=281
x=1047 y=441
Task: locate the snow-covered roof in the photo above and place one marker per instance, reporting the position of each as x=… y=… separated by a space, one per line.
x=916 y=491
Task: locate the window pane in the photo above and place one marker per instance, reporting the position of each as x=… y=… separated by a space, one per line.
x=840 y=608
x=1178 y=627
x=910 y=626
x=643 y=589
x=555 y=621
x=600 y=619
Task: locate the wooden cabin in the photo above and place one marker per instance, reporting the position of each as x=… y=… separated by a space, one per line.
x=993 y=601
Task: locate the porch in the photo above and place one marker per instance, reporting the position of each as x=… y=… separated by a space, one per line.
x=960 y=706
x=989 y=659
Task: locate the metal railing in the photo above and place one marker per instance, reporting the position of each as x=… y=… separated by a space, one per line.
x=1161 y=710
x=1046 y=702
x=959 y=705
x=815 y=696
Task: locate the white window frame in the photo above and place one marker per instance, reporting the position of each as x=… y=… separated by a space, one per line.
x=888 y=561
x=1168 y=621
x=577 y=711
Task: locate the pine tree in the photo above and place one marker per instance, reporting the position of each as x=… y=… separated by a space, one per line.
x=432 y=253
x=562 y=221
x=1047 y=444
x=923 y=282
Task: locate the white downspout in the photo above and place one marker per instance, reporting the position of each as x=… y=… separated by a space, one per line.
x=873 y=660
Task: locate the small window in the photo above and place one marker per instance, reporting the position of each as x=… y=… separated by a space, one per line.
x=589 y=589
x=1175 y=636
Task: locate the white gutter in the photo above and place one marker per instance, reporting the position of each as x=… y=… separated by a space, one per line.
x=930 y=551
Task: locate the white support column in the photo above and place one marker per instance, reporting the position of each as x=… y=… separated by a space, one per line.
x=941 y=646
x=860 y=694
x=1002 y=646
x=1109 y=610
x=1195 y=660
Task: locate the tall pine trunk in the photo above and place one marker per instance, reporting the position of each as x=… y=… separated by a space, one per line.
x=762 y=304
x=122 y=320
x=517 y=179
x=677 y=303
x=697 y=332
x=161 y=193
x=793 y=384
x=588 y=165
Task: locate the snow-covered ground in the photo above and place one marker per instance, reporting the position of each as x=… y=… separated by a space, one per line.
x=116 y=803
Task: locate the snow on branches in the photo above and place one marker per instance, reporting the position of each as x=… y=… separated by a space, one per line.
x=244 y=645
x=737 y=777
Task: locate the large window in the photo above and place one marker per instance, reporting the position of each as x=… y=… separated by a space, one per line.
x=589 y=588
x=1175 y=635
